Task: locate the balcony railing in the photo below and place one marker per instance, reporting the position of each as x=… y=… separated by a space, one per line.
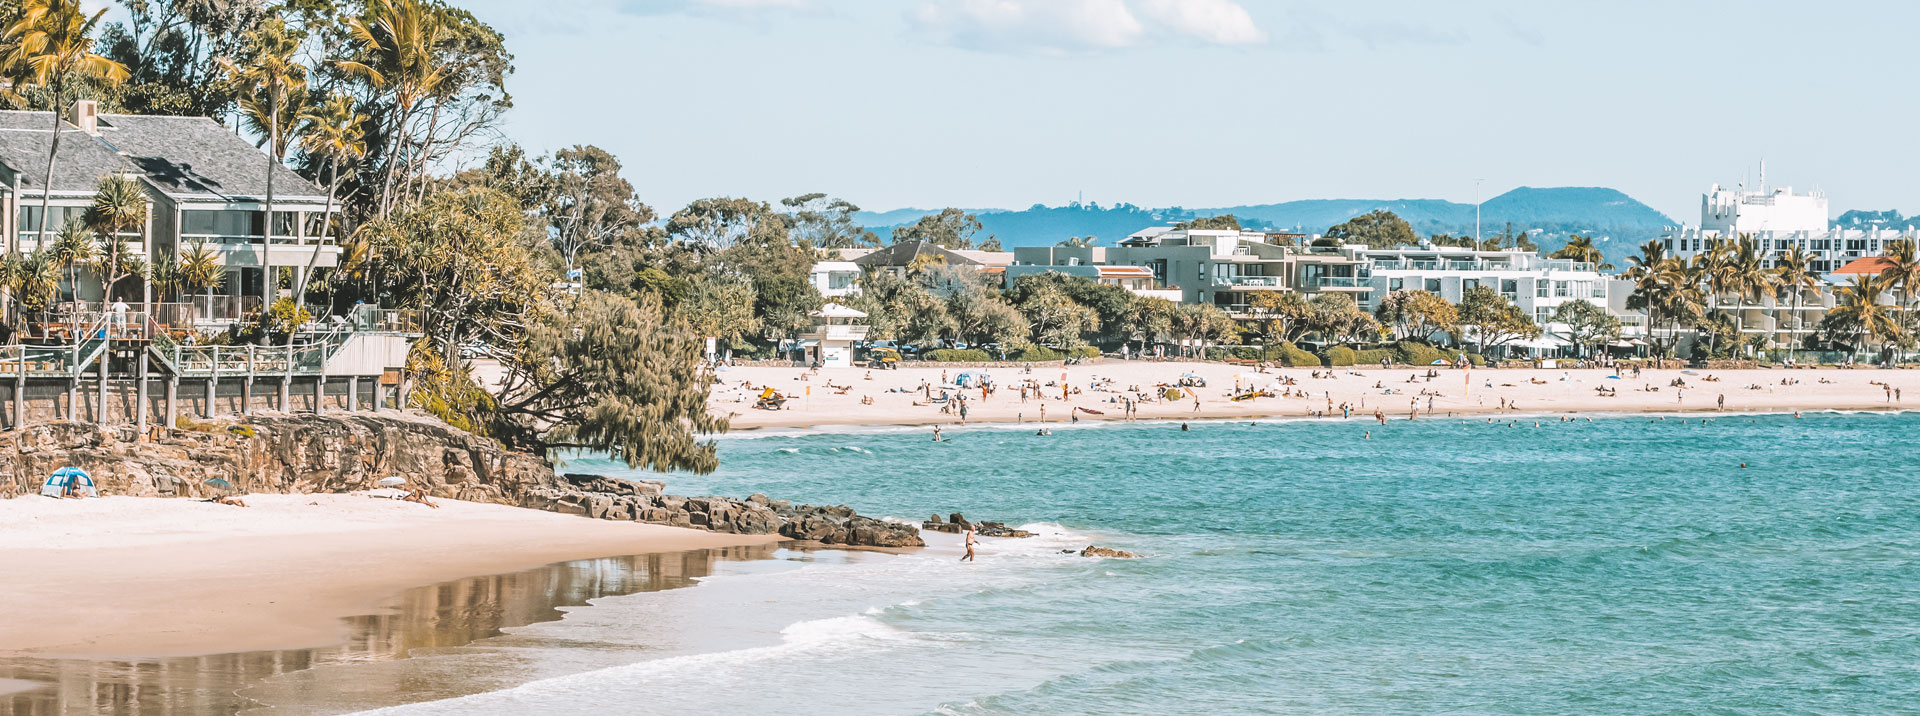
x=837 y=333
x=1336 y=282
x=1248 y=281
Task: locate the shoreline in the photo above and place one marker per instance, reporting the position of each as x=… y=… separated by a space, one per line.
x=284 y=573
x=851 y=428
x=855 y=397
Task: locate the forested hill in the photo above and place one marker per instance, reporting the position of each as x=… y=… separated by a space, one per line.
x=1549 y=213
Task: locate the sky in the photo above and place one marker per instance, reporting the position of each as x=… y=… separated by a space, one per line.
x=1208 y=103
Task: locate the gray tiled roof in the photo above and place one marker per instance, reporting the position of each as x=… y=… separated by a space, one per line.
x=24 y=138
x=195 y=155
x=180 y=155
x=904 y=253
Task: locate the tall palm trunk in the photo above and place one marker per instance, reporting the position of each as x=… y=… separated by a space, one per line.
x=267 y=282
x=326 y=223
x=46 y=186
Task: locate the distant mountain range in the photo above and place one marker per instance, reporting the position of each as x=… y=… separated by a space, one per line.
x=1889 y=219
x=1549 y=214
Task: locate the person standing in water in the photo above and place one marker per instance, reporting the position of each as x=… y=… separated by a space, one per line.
x=971 y=541
x=936 y=433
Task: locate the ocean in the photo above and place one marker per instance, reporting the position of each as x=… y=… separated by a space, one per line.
x=1625 y=565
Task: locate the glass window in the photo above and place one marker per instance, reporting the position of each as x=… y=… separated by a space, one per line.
x=30 y=216
x=1509 y=286
x=1469 y=284
x=1394 y=284
x=1560 y=289
x=220 y=223
x=1433 y=285
x=1542 y=289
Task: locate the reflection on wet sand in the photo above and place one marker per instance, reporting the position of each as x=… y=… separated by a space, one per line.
x=443 y=616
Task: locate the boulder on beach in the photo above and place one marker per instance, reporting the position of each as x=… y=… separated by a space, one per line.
x=1097 y=551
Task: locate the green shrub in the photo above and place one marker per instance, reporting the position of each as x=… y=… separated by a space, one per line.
x=1372 y=356
x=1339 y=355
x=1084 y=352
x=957 y=355
x=1290 y=355
x=1040 y=354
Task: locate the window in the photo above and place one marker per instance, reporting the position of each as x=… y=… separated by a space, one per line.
x=220 y=223
x=1468 y=284
x=1542 y=315
x=1510 y=287
x=1561 y=289
x=30 y=216
x=1433 y=285
x=1394 y=284
x=1542 y=289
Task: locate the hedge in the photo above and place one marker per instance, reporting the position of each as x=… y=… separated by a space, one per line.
x=1340 y=355
x=1084 y=352
x=957 y=355
x=1040 y=354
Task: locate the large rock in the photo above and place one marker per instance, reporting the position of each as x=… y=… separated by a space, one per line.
x=1095 y=551
x=344 y=452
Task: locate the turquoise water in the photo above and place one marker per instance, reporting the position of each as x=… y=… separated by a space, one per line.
x=1620 y=566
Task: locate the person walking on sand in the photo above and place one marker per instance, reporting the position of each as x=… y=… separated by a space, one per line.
x=971 y=541
x=1721 y=402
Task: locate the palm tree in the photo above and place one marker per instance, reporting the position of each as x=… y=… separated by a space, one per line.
x=331 y=130
x=1861 y=315
x=1903 y=271
x=1742 y=271
x=398 y=39
x=119 y=207
x=49 y=46
x=72 y=247
x=165 y=275
x=37 y=281
x=1580 y=248
x=1793 y=273
x=274 y=75
x=201 y=269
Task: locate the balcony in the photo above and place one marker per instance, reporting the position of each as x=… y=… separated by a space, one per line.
x=1338 y=283
x=1247 y=281
x=836 y=332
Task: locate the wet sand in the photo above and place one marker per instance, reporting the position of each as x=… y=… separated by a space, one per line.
x=438 y=619
x=125 y=577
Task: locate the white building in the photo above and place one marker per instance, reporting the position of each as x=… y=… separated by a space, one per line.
x=836 y=328
x=1779 y=219
x=835 y=279
x=1539 y=286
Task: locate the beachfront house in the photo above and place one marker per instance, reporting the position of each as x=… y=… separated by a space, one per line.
x=1537 y=285
x=905 y=257
x=207 y=186
x=1228 y=267
x=1089 y=262
x=835 y=279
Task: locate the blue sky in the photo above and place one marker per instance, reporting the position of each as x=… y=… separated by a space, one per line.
x=1005 y=103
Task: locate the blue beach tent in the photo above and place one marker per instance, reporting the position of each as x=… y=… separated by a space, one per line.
x=59 y=482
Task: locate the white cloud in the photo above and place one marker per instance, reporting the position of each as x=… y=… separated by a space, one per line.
x=1222 y=22
x=1058 y=26
x=1046 y=25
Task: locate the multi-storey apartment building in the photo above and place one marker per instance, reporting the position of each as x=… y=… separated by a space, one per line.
x=1539 y=286
x=1222 y=267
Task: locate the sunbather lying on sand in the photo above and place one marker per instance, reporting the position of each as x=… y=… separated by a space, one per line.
x=419 y=495
x=226 y=500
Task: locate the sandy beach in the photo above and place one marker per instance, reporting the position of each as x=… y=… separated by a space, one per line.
x=151 y=577
x=834 y=396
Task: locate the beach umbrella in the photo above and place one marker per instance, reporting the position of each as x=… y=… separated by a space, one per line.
x=217 y=482
x=1438 y=362
x=1613 y=377
x=395 y=481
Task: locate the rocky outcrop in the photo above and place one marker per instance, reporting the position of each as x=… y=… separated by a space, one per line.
x=1095 y=551
x=957 y=523
x=354 y=451
x=275 y=453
